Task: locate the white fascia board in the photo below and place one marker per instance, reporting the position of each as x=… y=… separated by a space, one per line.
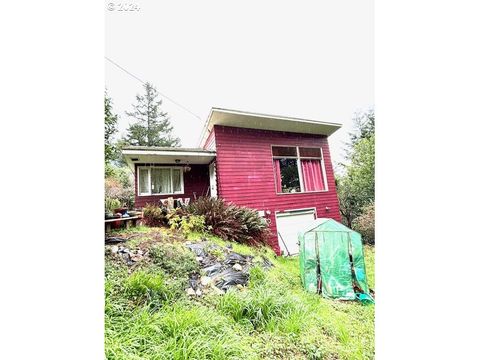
x=167 y=153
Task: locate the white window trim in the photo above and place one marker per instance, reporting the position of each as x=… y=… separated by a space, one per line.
x=182 y=188
x=300 y=175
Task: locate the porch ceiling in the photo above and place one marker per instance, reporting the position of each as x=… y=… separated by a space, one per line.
x=169 y=156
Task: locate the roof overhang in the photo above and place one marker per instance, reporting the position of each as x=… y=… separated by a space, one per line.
x=250 y=120
x=168 y=156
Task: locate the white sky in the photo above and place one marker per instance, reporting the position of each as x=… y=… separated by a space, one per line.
x=304 y=59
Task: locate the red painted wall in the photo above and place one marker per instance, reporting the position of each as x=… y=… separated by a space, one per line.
x=197 y=181
x=246 y=176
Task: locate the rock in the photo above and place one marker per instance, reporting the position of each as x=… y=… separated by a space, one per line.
x=199 y=258
x=205 y=280
x=198 y=292
x=114 y=249
x=239 y=286
x=217 y=291
x=190 y=292
x=237 y=267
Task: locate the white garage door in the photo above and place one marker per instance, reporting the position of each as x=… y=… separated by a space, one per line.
x=288 y=226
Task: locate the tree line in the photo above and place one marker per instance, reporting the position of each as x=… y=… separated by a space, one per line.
x=356 y=183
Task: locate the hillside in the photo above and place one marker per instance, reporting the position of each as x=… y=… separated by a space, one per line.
x=150 y=315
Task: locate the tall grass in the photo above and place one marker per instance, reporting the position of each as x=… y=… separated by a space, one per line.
x=149 y=316
x=177 y=332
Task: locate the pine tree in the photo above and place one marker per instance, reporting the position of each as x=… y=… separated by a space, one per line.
x=152 y=126
x=111 y=121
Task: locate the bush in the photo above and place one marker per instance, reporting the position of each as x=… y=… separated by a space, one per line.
x=112 y=204
x=115 y=189
x=176 y=260
x=154 y=215
x=365 y=224
x=187 y=223
x=231 y=222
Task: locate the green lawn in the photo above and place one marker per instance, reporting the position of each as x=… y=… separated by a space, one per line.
x=149 y=316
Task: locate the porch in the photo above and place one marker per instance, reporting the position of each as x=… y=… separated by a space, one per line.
x=183 y=174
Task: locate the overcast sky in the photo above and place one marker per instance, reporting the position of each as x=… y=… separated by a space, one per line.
x=302 y=59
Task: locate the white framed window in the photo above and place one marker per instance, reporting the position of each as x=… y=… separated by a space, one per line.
x=299 y=169
x=159 y=180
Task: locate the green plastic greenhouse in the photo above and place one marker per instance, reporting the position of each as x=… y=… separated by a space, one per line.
x=332 y=261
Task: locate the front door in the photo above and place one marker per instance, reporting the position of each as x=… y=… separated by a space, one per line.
x=213 y=180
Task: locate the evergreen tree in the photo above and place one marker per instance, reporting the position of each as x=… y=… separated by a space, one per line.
x=356 y=187
x=111 y=121
x=152 y=126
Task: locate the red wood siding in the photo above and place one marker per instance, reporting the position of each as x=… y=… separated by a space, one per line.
x=195 y=181
x=210 y=142
x=246 y=175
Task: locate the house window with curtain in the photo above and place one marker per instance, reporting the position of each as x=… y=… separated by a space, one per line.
x=155 y=180
x=299 y=169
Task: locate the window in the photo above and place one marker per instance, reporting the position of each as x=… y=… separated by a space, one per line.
x=159 y=180
x=299 y=169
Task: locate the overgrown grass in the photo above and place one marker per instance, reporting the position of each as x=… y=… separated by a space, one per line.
x=149 y=316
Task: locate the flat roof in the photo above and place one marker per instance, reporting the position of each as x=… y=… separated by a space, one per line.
x=166 y=155
x=250 y=120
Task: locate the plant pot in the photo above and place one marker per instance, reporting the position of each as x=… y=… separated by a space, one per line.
x=120 y=210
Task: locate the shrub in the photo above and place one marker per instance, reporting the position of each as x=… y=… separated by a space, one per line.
x=365 y=224
x=115 y=189
x=231 y=222
x=154 y=215
x=112 y=204
x=174 y=259
x=187 y=223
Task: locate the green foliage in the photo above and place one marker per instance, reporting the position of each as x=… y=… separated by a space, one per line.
x=257 y=276
x=174 y=259
x=365 y=224
x=274 y=318
x=231 y=222
x=119 y=188
x=179 y=332
x=356 y=187
x=144 y=287
x=112 y=204
x=186 y=223
x=152 y=126
x=154 y=215
x=111 y=121
x=261 y=308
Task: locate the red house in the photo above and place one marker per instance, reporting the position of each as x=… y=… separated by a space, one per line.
x=277 y=165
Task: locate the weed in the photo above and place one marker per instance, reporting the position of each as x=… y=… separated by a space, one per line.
x=175 y=259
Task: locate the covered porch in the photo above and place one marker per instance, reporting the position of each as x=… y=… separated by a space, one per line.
x=160 y=173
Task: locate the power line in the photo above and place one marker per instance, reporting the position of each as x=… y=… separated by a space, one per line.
x=143 y=82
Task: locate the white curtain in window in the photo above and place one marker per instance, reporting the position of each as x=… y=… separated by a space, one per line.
x=143 y=181
x=161 y=181
x=176 y=175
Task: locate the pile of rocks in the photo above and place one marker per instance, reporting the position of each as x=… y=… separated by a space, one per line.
x=131 y=257
x=221 y=268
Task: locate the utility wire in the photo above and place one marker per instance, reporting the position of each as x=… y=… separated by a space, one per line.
x=143 y=82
